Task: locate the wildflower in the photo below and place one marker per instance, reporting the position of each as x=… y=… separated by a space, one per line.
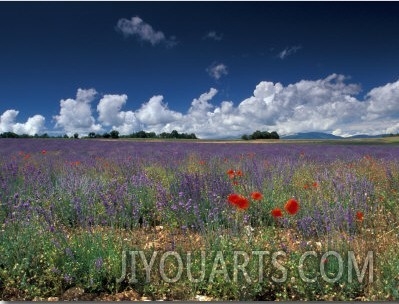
x=231 y=173
x=276 y=213
x=239 y=173
x=315 y=184
x=257 y=196
x=233 y=198
x=68 y=278
x=359 y=216
x=98 y=263
x=44 y=152
x=292 y=206
x=238 y=200
x=243 y=203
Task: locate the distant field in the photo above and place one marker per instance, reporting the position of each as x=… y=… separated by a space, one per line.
x=127 y=219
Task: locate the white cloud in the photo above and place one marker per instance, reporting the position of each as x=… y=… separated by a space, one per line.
x=76 y=114
x=155 y=112
x=110 y=114
x=137 y=27
x=383 y=101
x=216 y=71
x=329 y=104
x=214 y=36
x=289 y=51
x=34 y=125
x=109 y=109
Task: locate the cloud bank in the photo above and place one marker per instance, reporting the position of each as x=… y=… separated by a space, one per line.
x=329 y=105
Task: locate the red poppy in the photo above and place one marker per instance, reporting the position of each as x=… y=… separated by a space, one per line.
x=44 y=152
x=276 y=213
x=238 y=200
x=233 y=198
x=292 y=206
x=231 y=173
x=239 y=173
x=315 y=184
x=306 y=186
x=359 y=216
x=257 y=196
x=243 y=203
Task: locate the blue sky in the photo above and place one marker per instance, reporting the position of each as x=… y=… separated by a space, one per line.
x=218 y=69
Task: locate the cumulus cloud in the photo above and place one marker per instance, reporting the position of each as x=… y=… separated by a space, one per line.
x=110 y=114
x=76 y=114
x=289 y=51
x=330 y=105
x=143 y=31
x=383 y=101
x=216 y=71
x=34 y=125
x=155 y=112
x=214 y=36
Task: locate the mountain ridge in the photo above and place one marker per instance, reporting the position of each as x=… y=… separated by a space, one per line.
x=322 y=135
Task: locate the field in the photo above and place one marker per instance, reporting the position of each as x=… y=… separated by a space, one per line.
x=184 y=220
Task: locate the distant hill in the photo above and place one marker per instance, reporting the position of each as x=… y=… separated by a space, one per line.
x=321 y=135
x=311 y=135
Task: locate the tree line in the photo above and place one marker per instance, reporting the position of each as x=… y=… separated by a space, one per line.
x=143 y=134
x=113 y=134
x=261 y=135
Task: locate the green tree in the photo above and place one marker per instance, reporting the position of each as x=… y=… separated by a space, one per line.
x=114 y=134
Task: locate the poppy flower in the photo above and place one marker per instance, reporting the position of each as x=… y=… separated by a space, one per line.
x=257 y=196
x=276 y=213
x=239 y=173
x=359 y=216
x=44 y=152
x=243 y=203
x=315 y=184
x=233 y=198
x=292 y=206
x=231 y=173
x=238 y=200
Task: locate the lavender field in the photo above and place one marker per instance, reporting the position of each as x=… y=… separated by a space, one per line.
x=71 y=210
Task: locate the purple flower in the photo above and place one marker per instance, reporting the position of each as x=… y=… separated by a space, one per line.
x=98 y=263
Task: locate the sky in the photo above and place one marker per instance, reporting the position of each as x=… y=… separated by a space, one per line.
x=216 y=69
